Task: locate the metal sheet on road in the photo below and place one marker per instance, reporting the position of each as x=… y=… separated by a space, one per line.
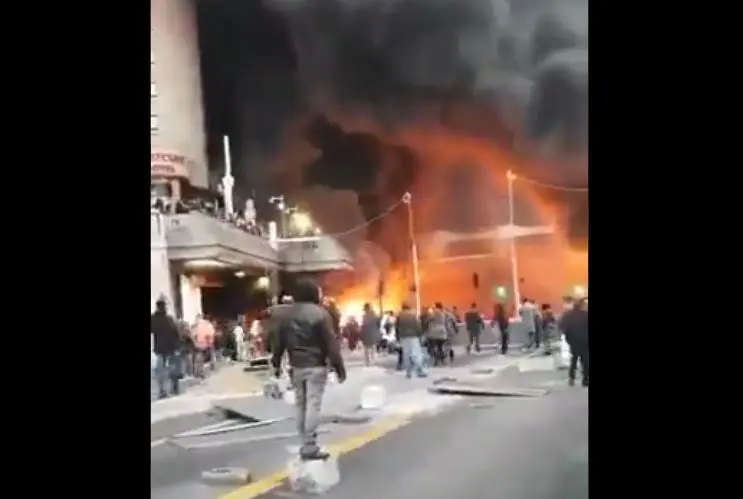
x=239 y=437
x=256 y=408
x=169 y=427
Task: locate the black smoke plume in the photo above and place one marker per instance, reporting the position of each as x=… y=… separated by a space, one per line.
x=524 y=60
x=518 y=69
x=523 y=64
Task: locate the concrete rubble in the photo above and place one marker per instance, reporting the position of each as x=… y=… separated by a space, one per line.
x=226 y=476
x=313 y=477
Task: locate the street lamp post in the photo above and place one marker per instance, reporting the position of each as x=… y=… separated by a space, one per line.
x=407 y=199
x=512 y=243
x=228 y=181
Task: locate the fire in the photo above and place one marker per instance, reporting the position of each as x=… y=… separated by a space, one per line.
x=396 y=290
x=547 y=265
x=350 y=309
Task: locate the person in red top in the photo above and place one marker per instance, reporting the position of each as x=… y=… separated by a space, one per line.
x=203 y=337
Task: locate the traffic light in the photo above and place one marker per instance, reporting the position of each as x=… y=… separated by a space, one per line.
x=475 y=280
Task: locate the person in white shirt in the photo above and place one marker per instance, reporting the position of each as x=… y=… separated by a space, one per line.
x=528 y=313
x=387 y=329
x=238 y=333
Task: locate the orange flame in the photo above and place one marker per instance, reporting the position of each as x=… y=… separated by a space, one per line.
x=547 y=265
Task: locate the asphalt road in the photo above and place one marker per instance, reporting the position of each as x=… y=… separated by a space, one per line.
x=175 y=471
x=507 y=448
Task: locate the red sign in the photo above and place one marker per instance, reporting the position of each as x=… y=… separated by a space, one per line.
x=167 y=164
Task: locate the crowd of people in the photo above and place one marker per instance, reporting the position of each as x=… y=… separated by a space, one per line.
x=206 y=341
x=185 y=349
x=436 y=327
x=303 y=332
x=244 y=218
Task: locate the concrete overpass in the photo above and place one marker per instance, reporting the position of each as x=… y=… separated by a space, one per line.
x=198 y=237
x=183 y=245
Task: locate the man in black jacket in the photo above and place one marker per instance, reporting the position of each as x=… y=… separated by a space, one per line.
x=167 y=341
x=475 y=326
x=574 y=325
x=305 y=330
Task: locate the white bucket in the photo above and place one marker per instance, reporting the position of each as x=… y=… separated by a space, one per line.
x=373 y=397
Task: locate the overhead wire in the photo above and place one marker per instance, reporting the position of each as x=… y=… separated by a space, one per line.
x=368 y=222
x=550 y=186
x=393 y=207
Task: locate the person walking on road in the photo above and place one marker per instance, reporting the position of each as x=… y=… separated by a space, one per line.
x=305 y=330
x=475 y=326
x=528 y=313
x=574 y=325
x=335 y=314
x=370 y=333
x=187 y=350
x=455 y=314
x=437 y=334
x=549 y=325
x=425 y=317
x=409 y=332
x=203 y=335
x=166 y=342
x=351 y=331
x=238 y=335
x=501 y=320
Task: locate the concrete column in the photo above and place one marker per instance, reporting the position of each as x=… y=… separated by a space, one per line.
x=159 y=266
x=177 y=75
x=190 y=298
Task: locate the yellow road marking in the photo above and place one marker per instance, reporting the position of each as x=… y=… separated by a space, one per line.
x=338 y=449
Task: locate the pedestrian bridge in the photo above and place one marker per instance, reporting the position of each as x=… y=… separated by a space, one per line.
x=314 y=256
x=198 y=237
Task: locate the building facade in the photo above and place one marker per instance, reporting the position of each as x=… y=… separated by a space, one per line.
x=177 y=129
x=186 y=247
